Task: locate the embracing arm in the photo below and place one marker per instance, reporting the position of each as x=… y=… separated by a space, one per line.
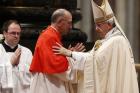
x=76 y=60
x=77 y=56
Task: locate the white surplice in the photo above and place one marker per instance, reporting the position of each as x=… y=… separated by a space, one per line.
x=15 y=79
x=56 y=83
x=110 y=68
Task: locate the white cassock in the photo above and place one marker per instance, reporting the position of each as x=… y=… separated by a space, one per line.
x=110 y=68
x=15 y=79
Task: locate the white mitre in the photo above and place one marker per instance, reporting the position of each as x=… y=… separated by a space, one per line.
x=103 y=12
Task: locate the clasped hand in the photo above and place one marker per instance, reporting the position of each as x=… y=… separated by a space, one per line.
x=16 y=57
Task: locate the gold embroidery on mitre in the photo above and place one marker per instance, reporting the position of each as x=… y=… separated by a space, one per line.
x=103 y=11
x=102 y=19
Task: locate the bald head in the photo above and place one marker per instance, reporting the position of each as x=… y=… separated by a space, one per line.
x=61 y=20
x=59 y=14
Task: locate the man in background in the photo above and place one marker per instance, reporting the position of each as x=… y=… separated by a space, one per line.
x=15 y=60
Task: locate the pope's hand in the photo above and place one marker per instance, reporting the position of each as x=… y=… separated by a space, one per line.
x=59 y=49
x=79 y=47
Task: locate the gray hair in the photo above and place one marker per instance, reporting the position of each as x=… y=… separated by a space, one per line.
x=111 y=21
x=57 y=14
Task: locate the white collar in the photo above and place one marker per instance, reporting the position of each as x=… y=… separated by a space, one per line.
x=8 y=45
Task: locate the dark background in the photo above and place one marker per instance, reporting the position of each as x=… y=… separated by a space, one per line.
x=35 y=15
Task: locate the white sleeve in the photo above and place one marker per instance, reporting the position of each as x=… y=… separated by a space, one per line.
x=70 y=74
x=79 y=56
x=76 y=63
x=79 y=59
x=6 y=71
x=23 y=67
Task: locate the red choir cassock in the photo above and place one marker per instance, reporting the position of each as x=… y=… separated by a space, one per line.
x=44 y=60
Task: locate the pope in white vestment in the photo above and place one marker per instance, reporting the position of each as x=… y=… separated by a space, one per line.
x=109 y=67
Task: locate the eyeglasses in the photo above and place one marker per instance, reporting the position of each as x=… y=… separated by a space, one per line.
x=14 y=33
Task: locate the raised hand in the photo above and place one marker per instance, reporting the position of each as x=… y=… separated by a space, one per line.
x=79 y=47
x=59 y=49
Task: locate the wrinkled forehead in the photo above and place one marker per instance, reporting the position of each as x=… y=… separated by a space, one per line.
x=101 y=23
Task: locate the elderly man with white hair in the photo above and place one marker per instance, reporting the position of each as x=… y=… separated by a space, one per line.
x=109 y=67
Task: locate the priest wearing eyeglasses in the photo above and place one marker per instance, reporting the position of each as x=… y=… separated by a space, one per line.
x=15 y=60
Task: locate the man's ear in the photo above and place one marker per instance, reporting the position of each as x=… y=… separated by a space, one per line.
x=59 y=22
x=4 y=33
